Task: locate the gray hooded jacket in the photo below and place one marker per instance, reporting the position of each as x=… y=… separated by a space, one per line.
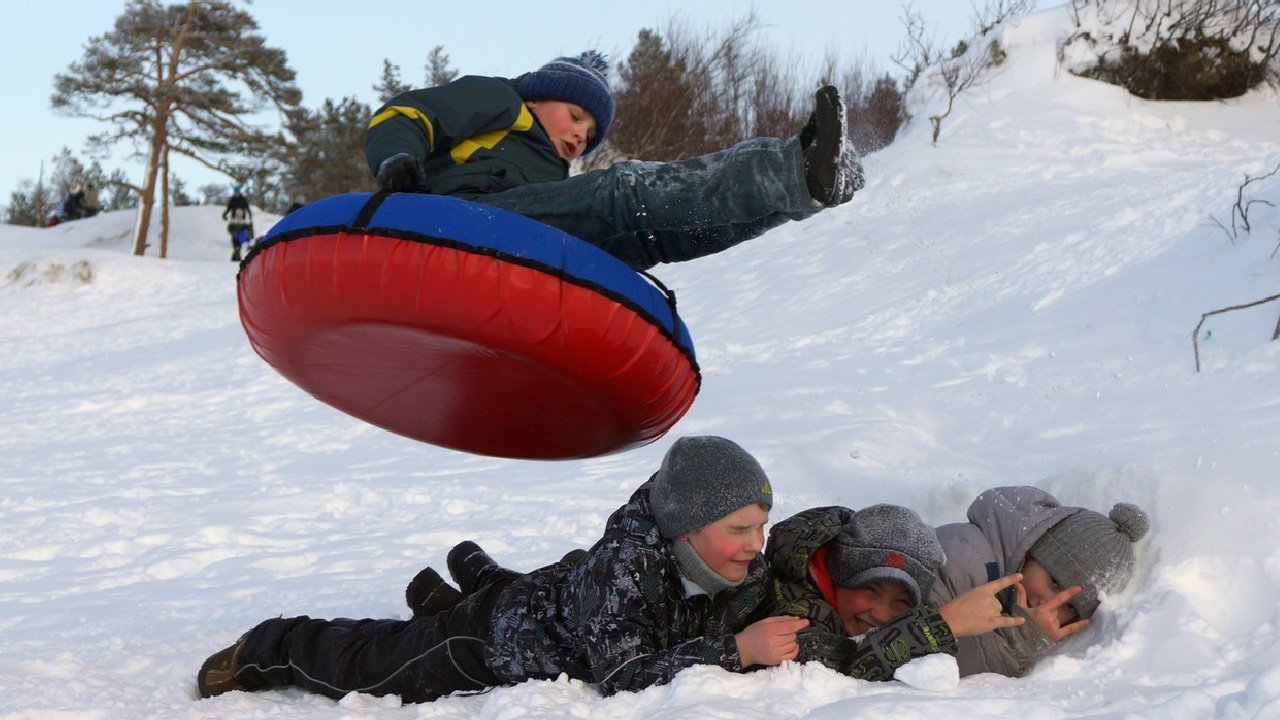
x=1003 y=524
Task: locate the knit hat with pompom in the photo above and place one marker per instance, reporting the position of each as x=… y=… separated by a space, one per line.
x=581 y=80
x=1092 y=550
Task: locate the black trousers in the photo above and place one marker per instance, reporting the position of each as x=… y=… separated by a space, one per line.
x=420 y=660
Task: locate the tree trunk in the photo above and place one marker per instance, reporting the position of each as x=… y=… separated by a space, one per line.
x=148 y=195
x=164 y=206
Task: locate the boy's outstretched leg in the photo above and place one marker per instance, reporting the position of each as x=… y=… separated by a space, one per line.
x=831 y=168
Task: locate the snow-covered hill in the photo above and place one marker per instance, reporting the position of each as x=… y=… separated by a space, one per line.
x=1011 y=306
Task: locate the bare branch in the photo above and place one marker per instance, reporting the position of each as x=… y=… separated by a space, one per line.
x=1195 y=334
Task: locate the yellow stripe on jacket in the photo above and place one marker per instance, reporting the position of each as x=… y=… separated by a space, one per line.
x=465 y=149
x=412 y=114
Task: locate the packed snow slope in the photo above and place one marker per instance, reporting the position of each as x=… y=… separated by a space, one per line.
x=1013 y=305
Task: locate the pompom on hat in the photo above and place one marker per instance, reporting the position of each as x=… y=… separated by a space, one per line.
x=702 y=479
x=885 y=542
x=581 y=80
x=1092 y=550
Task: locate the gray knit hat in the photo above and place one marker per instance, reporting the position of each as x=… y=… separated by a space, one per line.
x=702 y=479
x=885 y=542
x=581 y=80
x=1092 y=550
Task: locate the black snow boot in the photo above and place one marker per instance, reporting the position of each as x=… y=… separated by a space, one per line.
x=831 y=169
x=472 y=568
x=428 y=594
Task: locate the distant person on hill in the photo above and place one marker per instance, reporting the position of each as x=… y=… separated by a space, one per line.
x=91 y=206
x=677 y=580
x=240 y=222
x=1070 y=558
x=508 y=143
x=73 y=204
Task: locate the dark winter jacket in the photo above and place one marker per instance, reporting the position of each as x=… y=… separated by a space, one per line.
x=472 y=136
x=795 y=590
x=1003 y=525
x=621 y=616
x=237 y=202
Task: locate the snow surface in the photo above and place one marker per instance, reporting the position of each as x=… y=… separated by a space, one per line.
x=1011 y=306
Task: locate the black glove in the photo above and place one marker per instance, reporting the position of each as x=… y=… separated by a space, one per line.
x=401 y=173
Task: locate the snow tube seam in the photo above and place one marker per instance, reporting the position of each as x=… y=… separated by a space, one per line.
x=453 y=244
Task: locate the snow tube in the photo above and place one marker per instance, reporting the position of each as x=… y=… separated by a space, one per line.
x=467 y=327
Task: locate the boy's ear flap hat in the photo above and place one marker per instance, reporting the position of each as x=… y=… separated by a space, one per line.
x=702 y=479
x=1092 y=550
x=581 y=80
x=885 y=542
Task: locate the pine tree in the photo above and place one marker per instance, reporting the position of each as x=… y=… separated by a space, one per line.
x=390 y=85
x=655 y=103
x=183 y=79
x=326 y=156
x=438 y=72
x=31 y=204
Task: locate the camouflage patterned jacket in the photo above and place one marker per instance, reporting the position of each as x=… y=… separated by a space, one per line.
x=794 y=591
x=620 y=617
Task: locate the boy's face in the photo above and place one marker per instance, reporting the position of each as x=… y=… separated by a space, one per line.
x=570 y=127
x=729 y=544
x=873 y=605
x=1040 y=587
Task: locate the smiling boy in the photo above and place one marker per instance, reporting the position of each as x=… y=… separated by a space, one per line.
x=1069 y=557
x=508 y=142
x=865 y=575
x=676 y=580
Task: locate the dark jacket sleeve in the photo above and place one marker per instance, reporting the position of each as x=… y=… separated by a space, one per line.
x=625 y=616
x=429 y=122
x=882 y=651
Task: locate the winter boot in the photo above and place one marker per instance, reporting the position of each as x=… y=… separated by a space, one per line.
x=831 y=168
x=472 y=568
x=428 y=594
x=218 y=674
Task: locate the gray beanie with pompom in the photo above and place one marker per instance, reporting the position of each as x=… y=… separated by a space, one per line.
x=1092 y=550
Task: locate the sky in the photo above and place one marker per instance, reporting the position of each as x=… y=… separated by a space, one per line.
x=337 y=48
x=1012 y=305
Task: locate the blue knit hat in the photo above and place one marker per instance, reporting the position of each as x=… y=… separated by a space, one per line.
x=582 y=80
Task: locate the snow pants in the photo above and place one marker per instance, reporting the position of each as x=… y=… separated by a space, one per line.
x=647 y=212
x=420 y=660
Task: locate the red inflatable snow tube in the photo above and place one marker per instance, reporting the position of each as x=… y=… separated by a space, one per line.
x=467 y=327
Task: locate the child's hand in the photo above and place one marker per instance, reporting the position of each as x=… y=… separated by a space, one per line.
x=978 y=611
x=400 y=173
x=770 y=641
x=1051 y=615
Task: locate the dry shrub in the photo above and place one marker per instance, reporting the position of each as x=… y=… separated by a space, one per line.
x=1176 y=49
x=682 y=94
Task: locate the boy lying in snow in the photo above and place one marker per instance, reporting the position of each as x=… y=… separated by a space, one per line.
x=1069 y=558
x=508 y=143
x=865 y=575
x=676 y=580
